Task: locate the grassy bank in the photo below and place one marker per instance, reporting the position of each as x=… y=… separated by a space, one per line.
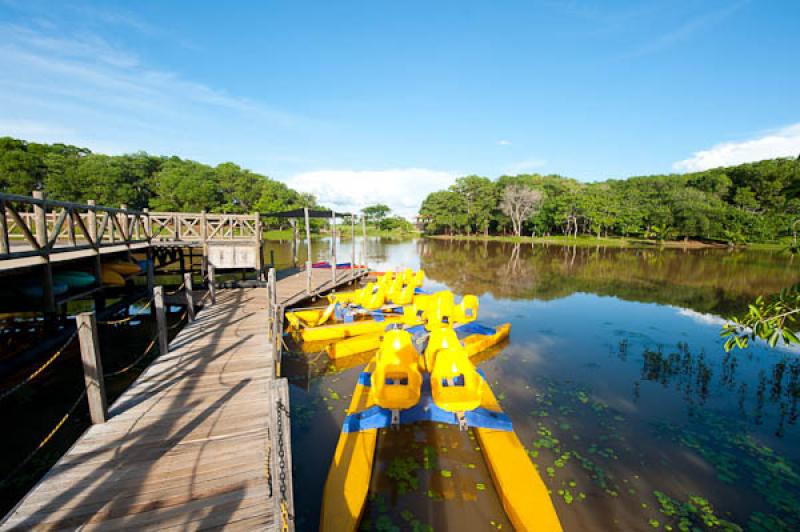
x=616 y=242
x=344 y=234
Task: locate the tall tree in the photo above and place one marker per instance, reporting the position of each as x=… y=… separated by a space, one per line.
x=518 y=203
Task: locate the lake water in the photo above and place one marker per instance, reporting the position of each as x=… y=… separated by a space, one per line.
x=616 y=382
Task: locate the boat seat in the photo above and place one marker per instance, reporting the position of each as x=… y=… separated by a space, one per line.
x=396 y=381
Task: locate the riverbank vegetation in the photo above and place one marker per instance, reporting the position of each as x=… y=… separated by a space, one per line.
x=139 y=180
x=754 y=202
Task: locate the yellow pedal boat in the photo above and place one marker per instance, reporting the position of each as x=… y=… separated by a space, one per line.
x=401 y=387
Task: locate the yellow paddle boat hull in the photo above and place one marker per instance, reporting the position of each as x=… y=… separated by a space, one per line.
x=124 y=268
x=346 y=330
x=474 y=343
x=347 y=485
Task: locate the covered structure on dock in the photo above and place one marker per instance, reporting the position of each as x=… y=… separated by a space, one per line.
x=306 y=214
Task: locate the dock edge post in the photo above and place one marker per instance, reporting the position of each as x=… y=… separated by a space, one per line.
x=161 y=319
x=187 y=287
x=212 y=289
x=92 y=366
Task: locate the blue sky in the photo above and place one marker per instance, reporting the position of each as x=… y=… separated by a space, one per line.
x=385 y=101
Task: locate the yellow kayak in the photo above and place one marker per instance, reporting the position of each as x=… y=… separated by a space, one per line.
x=123 y=267
x=475 y=339
x=400 y=387
x=437 y=308
x=111 y=277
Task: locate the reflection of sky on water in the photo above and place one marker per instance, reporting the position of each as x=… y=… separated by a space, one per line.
x=624 y=346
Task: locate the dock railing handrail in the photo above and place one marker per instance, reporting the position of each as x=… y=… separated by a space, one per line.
x=44 y=224
x=50 y=226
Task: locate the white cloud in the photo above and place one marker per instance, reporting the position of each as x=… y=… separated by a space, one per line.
x=527 y=165
x=784 y=142
x=402 y=189
x=31 y=129
x=82 y=88
x=504 y=142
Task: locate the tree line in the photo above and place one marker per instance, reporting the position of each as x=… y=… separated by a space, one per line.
x=139 y=180
x=751 y=202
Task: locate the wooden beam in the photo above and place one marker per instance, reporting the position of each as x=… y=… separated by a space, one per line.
x=161 y=319
x=92 y=366
x=187 y=282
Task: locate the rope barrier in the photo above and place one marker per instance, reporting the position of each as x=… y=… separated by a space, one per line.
x=40 y=369
x=179 y=322
x=180 y=287
x=129 y=318
x=44 y=441
x=135 y=362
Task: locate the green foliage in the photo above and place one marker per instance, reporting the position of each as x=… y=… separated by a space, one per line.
x=754 y=202
x=773 y=320
x=376 y=213
x=140 y=180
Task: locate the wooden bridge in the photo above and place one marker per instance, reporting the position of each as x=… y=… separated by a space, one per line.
x=201 y=439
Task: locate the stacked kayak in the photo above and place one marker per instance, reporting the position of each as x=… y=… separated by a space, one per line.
x=404 y=384
x=339 y=265
x=114 y=273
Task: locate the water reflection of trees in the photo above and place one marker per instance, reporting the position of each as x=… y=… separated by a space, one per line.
x=776 y=389
x=708 y=280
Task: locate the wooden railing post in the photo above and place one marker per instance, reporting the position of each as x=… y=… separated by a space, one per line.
x=309 y=258
x=161 y=319
x=92 y=366
x=148 y=224
x=270 y=317
x=353 y=245
x=151 y=274
x=40 y=222
x=5 y=246
x=333 y=250
x=309 y=272
x=212 y=288
x=293 y=221
x=364 y=241
x=187 y=286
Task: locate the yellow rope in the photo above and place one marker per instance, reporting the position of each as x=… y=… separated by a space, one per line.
x=46 y=439
x=179 y=322
x=181 y=287
x=132 y=364
x=40 y=369
x=129 y=318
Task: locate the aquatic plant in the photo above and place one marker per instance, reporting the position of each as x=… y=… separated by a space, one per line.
x=403 y=471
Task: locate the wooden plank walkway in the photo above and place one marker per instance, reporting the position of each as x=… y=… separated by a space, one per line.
x=193 y=443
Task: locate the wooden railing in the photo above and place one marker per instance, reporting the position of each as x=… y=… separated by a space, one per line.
x=36 y=227
x=204 y=227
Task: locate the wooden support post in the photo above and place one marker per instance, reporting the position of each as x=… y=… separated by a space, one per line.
x=352 y=244
x=309 y=258
x=5 y=246
x=259 y=236
x=187 y=287
x=161 y=319
x=151 y=275
x=40 y=221
x=364 y=241
x=270 y=317
x=273 y=303
x=293 y=221
x=182 y=256
x=203 y=238
x=92 y=366
x=309 y=272
x=333 y=249
x=148 y=224
x=212 y=287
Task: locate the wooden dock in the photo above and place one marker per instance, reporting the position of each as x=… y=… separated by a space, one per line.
x=195 y=442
